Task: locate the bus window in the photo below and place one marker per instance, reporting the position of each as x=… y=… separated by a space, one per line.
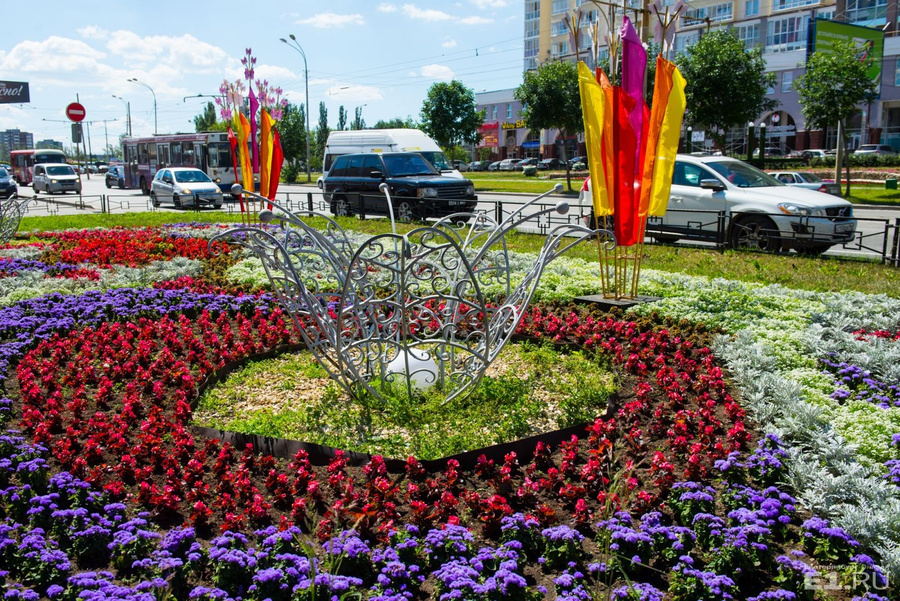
x=174 y=154
x=142 y=154
x=220 y=155
x=188 y=154
x=162 y=151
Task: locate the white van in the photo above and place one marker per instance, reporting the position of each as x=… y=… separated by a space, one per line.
x=387 y=140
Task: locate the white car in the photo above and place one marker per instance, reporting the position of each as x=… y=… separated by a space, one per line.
x=55 y=178
x=508 y=164
x=761 y=213
x=185 y=186
x=805 y=179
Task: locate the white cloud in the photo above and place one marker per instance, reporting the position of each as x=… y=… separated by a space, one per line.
x=384 y=7
x=332 y=20
x=353 y=93
x=485 y=4
x=92 y=32
x=476 y=21
x=437 y=72
x=414 y=12
x=185 y=53
x=449 y=44
x=55 y=54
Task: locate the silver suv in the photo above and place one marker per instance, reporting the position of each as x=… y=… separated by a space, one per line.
x=54 y=178
x=760 y=212
x=185 y=186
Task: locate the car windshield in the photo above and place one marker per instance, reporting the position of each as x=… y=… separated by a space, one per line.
x=743 y=175
x=60 y=170
x=407 y=164
x=191 y=176
x=810 y=177
x=4 y=172
x=437 y=159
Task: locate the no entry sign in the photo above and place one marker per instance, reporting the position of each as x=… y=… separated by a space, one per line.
x=75 y=112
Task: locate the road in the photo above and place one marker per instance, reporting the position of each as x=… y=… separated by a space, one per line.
x=870 y=239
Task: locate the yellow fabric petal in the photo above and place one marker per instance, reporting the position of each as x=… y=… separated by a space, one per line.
x=593 y=111
x=265 y=153
x=243 y=134
x=667 y=149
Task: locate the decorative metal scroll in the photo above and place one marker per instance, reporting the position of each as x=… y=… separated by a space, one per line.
x=11 y=212
x=404 y=309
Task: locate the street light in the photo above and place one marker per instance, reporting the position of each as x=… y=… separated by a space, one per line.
x=296 y=46
x=690 y=139
x=127 y=114
x=155 y=124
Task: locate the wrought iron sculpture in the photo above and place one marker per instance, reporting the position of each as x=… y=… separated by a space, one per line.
x=408 y=309
x=11 y=212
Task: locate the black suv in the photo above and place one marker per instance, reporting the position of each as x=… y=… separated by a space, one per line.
x=417 y=189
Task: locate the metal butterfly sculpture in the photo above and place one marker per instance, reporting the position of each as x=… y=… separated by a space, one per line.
x=408 y=309
x=11 y=212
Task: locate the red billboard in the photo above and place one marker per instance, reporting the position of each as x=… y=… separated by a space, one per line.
x=489 y=134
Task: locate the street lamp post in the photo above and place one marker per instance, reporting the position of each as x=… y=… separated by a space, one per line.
x=155 y=123
x=690 y=139
x=296 y=46
x=127 y=114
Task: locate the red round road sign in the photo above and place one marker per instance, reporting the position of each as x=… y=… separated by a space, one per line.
x=75 y=112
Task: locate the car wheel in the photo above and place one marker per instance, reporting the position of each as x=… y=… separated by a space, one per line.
x=154 y=200
x=815 y=250
x=405 y=212
x=145 y=189
x=108 y=185
x=176 y=200
x=663 y=239
x=340 y=207
x=755 y=232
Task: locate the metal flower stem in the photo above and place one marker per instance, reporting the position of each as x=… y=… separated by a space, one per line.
x=11 y=213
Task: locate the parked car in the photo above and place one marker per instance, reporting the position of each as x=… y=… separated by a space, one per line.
x=185 y=186
x=495 y=166
x=804 y=179
x=550 y=164
x=54 y=178
x=765 y=214
x=478 y=166
x=578 y=159
x=812 y=153
x=879 y=149
x=531 y=162
x=508 y=165
x=8 y=186
x=417 y=189
x=115 y=176
x=461 y=166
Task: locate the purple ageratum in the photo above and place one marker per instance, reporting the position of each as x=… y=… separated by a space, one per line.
x=893 y=471
x=826 y=542
x=638 y=591
x=858 y=384
x=668 y=541
x=697 y=585
x=779 y=595
x=448 y=543
x=562 y=545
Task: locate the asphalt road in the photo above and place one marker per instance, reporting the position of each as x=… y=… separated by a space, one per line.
x=869 y=241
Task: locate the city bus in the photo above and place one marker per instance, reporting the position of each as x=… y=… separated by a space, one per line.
x=23 y=162
x=207 y=151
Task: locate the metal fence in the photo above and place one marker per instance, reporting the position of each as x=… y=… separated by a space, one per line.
x=874 y=239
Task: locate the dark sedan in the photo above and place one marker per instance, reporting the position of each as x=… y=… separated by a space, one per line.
x=115 y=177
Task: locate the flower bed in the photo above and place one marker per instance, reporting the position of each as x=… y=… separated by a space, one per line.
x=105 y=491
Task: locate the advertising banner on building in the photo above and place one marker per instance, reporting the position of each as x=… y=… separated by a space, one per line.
x=490 y=135
x=869 y=40
x=14 y=92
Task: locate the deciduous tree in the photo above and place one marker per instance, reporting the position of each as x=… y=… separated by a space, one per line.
x=449 y=115
x=726 y=84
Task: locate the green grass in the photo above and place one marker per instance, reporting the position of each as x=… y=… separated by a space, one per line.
x=516 y=181
x=539 y=390
x=148 y=219
x=873 y=195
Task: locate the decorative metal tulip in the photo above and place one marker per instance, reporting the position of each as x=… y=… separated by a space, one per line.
x=407 y=309
x=11 y=212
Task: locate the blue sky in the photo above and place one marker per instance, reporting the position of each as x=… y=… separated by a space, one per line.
x=381 y=56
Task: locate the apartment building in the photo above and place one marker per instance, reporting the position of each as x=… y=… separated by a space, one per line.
x=780 y=27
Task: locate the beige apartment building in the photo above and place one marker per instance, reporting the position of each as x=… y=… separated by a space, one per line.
x=780 y=27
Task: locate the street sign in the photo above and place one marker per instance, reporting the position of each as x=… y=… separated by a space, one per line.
x=75 y=112
x=76 y=133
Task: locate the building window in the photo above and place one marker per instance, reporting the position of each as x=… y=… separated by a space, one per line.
x=749 y=34
x=866 y=11
x=494 y=113
x=683 y=41
x=716 y=13
x=897 y=74
x=787 y=33
x=751 y=8
x=560 y=49
x=532 y=10
x=771 y=89
x=560 y=7
x=786 y=4
x=509 y=111
x=787 y=81
x=558 y=28
x=826 y=14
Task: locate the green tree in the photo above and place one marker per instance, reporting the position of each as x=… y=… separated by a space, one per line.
x=726 y=84
x=358 y=122
x=292 y=129
x=831 y=90
x=396 y=123
x=322 y=132
x=206 y=121
x=551 y=100
x=449 y=115
x=342 y=119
